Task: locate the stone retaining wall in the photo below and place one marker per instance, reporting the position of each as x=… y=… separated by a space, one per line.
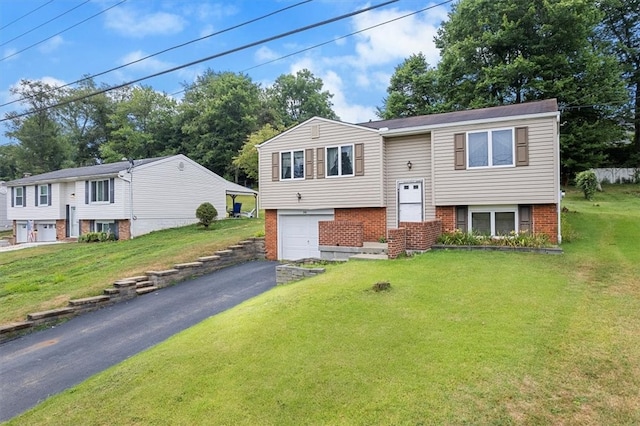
x=131 y=287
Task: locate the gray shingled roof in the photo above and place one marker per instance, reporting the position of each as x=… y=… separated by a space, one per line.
x=80 y=172
x=536 y=107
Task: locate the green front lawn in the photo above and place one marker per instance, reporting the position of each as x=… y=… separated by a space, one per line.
x=461 y=338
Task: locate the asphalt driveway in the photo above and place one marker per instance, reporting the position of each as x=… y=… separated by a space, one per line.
x=44 y=363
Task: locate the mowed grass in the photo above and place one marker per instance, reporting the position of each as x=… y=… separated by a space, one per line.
x=461 y=338
x=47 y=277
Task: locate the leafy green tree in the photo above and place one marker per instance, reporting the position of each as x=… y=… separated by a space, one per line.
x=140 y=126
x=497 y=52
x=8 y=162
x=218 y=113
x=620 y=25
x=40 y=148
x=296 y=98
x=413 y=90
x=247 y=158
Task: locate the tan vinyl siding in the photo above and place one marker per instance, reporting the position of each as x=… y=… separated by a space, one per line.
x=532 y=184
x=327 y=192
x=398 y=151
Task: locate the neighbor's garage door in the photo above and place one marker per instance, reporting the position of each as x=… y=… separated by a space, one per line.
x=298 y=236
x=46 y=231
x=21 y=232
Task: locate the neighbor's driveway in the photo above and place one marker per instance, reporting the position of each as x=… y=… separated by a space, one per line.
x=44 y=363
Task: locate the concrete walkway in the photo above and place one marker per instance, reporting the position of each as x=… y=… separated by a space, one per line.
x=27 y=245
x=46 y=362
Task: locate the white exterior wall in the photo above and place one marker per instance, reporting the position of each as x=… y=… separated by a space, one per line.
x=33 y=212
x=166 y=196
x=329 y=192
x=537 y=183
x=5 y=200
x=398 y=151
x=105 y=211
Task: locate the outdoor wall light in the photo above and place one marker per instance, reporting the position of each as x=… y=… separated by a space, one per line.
x=409 y=165
x=299 y=196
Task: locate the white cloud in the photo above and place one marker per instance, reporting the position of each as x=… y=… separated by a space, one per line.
x=51 y=44
x=133 y=23
x=206 y=30
x=265 y=54
x=10 y=54
x=145 y=65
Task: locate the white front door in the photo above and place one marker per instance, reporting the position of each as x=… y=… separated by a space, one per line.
x=74 y=227
x=21 y=232
x=298 y=235
x=410 y=201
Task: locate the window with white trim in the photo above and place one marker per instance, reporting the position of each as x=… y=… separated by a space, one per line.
x=493 y=221
x=99 y=191
x=107 y=226
x=43 y=195
x=490 y=148
x=340 y=160
x=292 y=165
x=18 y=196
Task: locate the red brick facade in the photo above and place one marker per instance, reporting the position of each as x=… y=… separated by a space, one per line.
x=396 y=242
x=341 y=233
x=447 y=215
x=61 y=229
x=374 y=220
x=124 y=230
x=271 y=234
x=545 y=221
x=421 y=235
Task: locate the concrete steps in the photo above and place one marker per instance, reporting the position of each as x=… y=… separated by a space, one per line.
x=368 y=251
x=144 y=287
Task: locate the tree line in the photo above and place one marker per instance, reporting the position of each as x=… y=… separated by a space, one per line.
x=211 y=123
x=585 y=53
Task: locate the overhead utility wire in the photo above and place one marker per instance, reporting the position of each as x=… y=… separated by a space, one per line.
x=25 y=15
x=297 y=52
x=44 y=23
x=60 y=32
x=217 y=55
x=165 y=50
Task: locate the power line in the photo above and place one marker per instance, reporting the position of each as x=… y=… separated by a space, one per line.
x=25 y=15
x=167 y=50
x=44 y=23
x=217 y=55
x=60 y=32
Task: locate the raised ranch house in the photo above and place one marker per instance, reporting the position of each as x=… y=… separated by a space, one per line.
x=491 y=170
x=126 y=198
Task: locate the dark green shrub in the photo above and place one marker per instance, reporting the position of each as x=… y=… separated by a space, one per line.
x=96 y=237
x=588 y=183
x=206 y=213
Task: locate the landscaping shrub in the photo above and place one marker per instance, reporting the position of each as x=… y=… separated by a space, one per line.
x=512 y=239
x=96 y=237
x=206 y=213
x=587 y=182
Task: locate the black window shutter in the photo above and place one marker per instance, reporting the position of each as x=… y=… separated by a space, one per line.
x=275 y=166
x=320 y=162
x=522 y=146
x=461 y=218
x=112 y=191
x=86 y=192
x=24 y=196
x=116 y=230
x=49 y=192
x=524 y=217
x=308 y=159
x=92 y=226
x=359 y=157
x=13 y=197
x=459 y=143
x=37 y=195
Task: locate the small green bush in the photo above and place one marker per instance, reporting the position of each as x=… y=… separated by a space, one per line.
x=587 y=182
x=512 y=239
x=96 y=237
x=206 y=213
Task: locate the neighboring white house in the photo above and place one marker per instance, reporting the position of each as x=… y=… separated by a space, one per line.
x=4 y=222
x=126 y=198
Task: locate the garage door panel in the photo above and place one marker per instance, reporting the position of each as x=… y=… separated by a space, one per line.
x=299 y=235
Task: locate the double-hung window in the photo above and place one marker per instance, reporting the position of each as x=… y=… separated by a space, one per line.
x=292 y=165
x=100 y=191
x=491 y=148
x=493 y=221
x=43 y=195
x=19 y=196
x=340 y=160
x=108 y=227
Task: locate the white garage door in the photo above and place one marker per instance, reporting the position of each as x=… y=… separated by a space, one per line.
x=21 y=232
x=46 y=231
x=298 y=235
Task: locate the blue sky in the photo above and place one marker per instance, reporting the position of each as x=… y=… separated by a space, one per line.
x=355 y=69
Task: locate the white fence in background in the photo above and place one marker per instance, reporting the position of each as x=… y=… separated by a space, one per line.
x=617 y=175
